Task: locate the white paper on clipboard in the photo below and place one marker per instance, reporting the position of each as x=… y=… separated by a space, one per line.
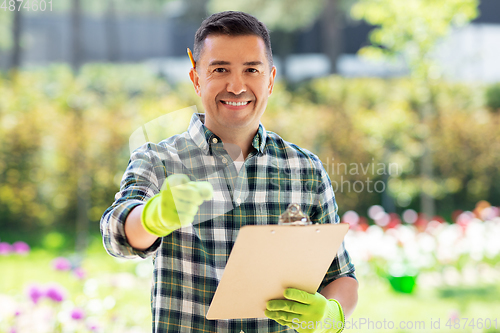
x=267 y=259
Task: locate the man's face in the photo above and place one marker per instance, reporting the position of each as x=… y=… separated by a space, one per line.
x=234 y=80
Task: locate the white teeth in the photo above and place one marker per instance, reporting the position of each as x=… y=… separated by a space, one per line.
x=236 y=103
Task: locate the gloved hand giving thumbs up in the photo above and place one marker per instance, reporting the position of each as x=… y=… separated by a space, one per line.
x=175 y=206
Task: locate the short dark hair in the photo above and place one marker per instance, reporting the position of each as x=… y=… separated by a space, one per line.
x=231 y=23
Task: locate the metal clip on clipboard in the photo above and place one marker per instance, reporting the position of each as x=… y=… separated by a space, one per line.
x=293 y=215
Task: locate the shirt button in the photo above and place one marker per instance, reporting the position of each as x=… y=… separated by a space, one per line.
x=224 y=160
x=214 y=140
x=238 y=201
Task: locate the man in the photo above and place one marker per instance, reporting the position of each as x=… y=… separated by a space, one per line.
x=184 y=200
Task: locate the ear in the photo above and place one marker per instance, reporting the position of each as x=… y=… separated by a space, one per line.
x=193 y=75
x=272 y=76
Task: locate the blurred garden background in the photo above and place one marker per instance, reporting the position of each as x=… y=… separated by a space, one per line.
x=399 y=99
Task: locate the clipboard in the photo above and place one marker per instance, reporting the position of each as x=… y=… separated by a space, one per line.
x=267 y=259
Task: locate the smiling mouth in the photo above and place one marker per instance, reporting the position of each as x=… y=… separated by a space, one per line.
x=235 y=103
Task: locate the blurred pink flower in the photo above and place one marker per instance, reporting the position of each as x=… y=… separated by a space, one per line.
x=394 y=221
x=496 y=211
x=465 y=218
x=5 y=248
x=382 y=219
x=410 y=216
x=438 y=218
x=61 y=264
x=21 y=247
x=453 y=315
x=35 y=292
x=374 y=211
x=351 y=217
x=79 y=273
x=77 y=314
x=362 y=224
x=93 y=327
x=489 y=213
x=56 y=293
x=421 y=222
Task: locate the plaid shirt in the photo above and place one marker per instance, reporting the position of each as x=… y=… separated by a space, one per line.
x=189 y=262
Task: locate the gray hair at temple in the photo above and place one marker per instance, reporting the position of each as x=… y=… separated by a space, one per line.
x=231 y=23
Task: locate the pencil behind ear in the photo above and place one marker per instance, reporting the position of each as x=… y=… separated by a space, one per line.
x=191 y=58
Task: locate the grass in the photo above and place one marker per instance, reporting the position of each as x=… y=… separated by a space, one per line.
x=378 y=302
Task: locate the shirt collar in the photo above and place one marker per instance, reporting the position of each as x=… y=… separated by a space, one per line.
x=203 y=137
x=259 y=140
x=196 y=131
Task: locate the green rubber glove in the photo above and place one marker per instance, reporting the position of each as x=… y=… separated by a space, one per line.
x=305 y=312
x=175 y=206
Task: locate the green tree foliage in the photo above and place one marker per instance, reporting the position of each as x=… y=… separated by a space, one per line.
x=493 y=97
x=49 y=117
x=5 y=30
x=51 y=121
x=411 y=28
x=364 y=121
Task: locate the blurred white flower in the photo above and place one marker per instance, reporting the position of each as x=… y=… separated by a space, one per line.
x=451 y=276
x=109 y=302
x=95 y=306
x=426 y=242
x=469 y=275
x=90 y=287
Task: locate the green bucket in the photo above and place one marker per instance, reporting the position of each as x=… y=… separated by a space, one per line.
x=403 y=284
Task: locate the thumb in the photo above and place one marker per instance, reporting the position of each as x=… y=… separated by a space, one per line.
x=300 y=295
x=177 y=179
x=205 y=189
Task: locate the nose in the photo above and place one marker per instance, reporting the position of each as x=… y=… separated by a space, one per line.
x=236 y=84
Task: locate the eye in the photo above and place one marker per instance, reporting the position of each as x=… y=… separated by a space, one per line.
x=220 y=70
x=252 y=70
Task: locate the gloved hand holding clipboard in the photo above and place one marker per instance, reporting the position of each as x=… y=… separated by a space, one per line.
x=267 y=259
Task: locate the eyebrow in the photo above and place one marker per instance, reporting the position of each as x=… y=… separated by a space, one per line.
x=253 y=63
x=222 y=62
x=219 y=62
